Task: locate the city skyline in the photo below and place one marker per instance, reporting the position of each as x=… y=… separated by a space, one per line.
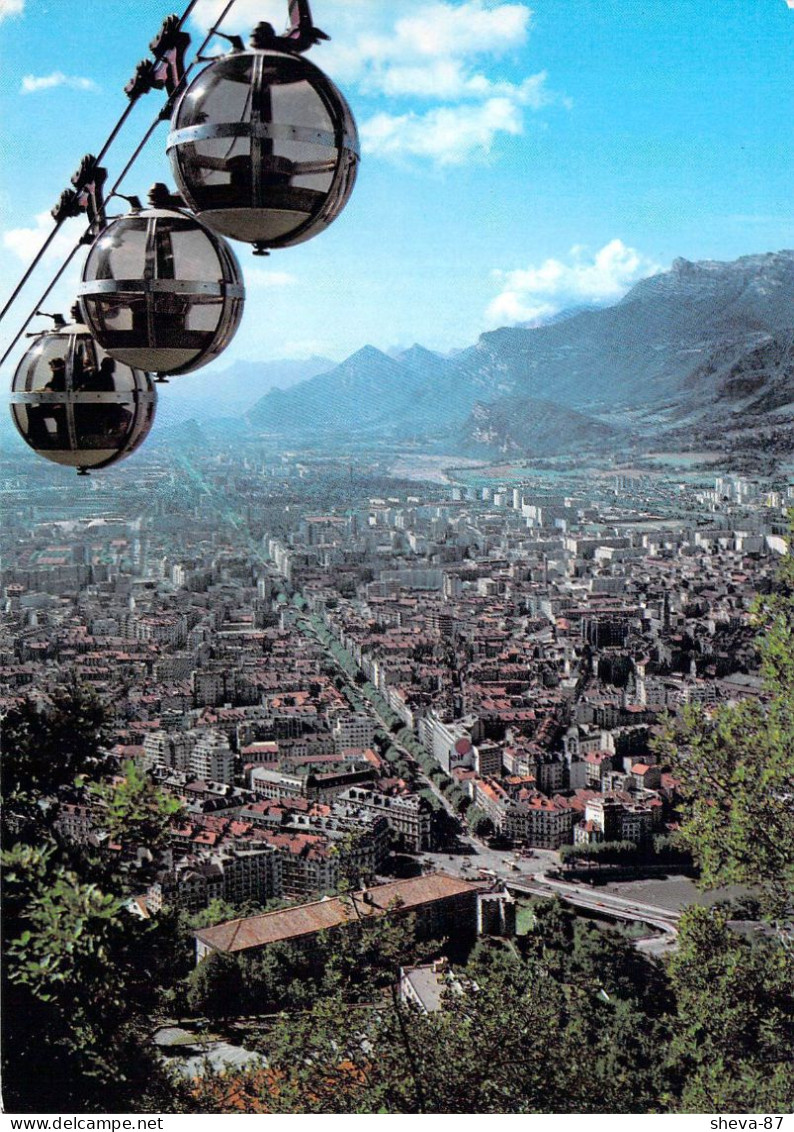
x=515 y=162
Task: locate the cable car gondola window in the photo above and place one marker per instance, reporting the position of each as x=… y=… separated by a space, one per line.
x=161 y=292
x=264 y=148
x=75 y=405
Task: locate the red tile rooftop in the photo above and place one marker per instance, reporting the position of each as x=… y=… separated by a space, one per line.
x=206 y=837
x=308 y=919
x=539 y=802
x=579 y=802
x=239 y=828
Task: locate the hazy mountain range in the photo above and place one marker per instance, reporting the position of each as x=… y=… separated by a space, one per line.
x=234 y=390
x=702 y=352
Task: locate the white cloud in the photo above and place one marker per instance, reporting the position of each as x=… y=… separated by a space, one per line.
x=11 y=8
x=435 y=51
x=446 y=35
x=244 y=16
x=471 y=28
x=511 y=307
x=25 y=243
x=533 y=294
x=31 y=84
x=21 y=245
x=448 y=80
x=448 y=135
x=258 y=277
x=442 y=54
x=368 y=38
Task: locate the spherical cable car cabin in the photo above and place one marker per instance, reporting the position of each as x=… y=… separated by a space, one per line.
x=161 y=292
x=264 y=147
x=75 y=405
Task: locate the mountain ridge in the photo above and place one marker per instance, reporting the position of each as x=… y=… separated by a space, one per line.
x=695 y=342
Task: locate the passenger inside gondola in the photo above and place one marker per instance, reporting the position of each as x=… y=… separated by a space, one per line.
x=100 y=425
x=47 y=424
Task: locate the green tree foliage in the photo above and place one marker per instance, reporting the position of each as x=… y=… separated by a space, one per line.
x=215 y=987
x=184 y=988
x=478 y=822
x=46 y=750
x=510 y=1039
x=66 y=923
x=737 y=769
x=79 y=975
x=662 y=850
x=430 y=799
x=348 y=852
x=611 y=852
x=357 y=962
x=133 y=811
x=731 y=1042
x=399 y=1061
x=552 y=939
x=577 y=953
x=280 y=978
x=360 y=961
x=582 y=1023
x=456 y=796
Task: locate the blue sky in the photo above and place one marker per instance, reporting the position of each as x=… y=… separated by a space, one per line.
x=517 y=159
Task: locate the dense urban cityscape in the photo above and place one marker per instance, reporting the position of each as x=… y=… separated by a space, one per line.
x=269 y=664
x=445 y=689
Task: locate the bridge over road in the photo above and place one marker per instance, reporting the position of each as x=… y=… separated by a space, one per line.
x=606 y=904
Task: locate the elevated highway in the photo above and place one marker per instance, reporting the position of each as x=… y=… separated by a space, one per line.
x=605 y=904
